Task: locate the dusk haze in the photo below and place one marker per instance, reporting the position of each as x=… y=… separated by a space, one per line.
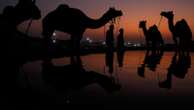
x=133 y=12
x=92 y=53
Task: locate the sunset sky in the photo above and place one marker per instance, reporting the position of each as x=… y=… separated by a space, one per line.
x=134 y=11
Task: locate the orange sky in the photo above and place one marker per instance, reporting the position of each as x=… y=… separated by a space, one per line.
x=134 y=11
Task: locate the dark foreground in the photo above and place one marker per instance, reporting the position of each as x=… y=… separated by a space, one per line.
x=59 y=83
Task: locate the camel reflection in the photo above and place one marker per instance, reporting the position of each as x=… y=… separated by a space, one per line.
x=74 y=77
x=179 y=68
x=150 y=61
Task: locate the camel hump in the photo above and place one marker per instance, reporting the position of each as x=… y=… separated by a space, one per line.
x=154 y=32
x=183 y=27
x=62 y=7
x=154 y=29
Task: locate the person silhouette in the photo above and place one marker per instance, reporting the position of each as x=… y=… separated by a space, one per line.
x=120 y=47
x=110 y=48
x=110 y=37
x=109 y=58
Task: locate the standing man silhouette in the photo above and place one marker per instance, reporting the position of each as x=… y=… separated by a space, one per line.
x=110 y=48
x=120 y=47
x=110 y=37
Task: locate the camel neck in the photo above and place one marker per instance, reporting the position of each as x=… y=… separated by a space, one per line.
x=97 y=23
x=145 y=31
x=171 y=24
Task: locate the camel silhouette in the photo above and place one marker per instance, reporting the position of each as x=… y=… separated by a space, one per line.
x=12 y=43
x=75 y=77
x=23 y=11
x=152 y=35
x=74 y=22
x=142 y=24
x=181 y=31
x=179 y=68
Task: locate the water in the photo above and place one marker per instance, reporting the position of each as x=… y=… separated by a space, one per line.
x=132 y=87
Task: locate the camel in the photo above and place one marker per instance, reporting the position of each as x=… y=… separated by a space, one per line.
x=74 y=22
x=23 y=11
x=11 y=18
x=179 y=68
x=12 y=39
x=152 y=35
x=181 y=32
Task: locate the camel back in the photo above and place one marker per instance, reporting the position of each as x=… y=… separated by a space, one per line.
x=154 y=33
x=182 y=28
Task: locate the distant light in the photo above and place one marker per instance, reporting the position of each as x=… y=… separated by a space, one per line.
x=129 y=43
x=54 y=41
x=90 y=41
x=138 y=44
x=103 y=43
x=87 y=38
x=54 y=34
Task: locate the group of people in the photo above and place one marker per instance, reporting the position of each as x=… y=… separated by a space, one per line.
x=110 y=42
x=110 y=45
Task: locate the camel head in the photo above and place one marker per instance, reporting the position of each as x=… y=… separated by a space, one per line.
x=113 y=13
x=27 y=9
x=168 y=14
x=142 y=24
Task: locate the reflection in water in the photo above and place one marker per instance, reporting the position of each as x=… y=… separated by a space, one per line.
x=109 y=61
x=69 y=77
x=179 y=68
x=150 y=61
x=120 y=57
x=109 y=58
x=89 y=84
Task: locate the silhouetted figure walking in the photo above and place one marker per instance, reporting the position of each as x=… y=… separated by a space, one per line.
x=110 y=48
x=120 y=47
x=181 y=32
x=74 y=22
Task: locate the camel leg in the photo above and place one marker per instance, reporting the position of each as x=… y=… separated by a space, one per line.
x=79 y=62
x=176 y=42
x=47 y=41
x=189 y=41
x=72 y=51
x=75 y=51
